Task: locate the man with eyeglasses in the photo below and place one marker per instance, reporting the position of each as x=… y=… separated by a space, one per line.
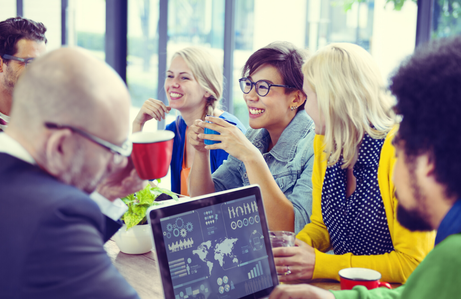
x=67 y=137
x=21 y=40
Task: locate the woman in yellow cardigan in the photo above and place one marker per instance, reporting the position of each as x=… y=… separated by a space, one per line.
x=354 y=206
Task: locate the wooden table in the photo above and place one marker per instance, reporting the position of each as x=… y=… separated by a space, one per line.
x=141 y=271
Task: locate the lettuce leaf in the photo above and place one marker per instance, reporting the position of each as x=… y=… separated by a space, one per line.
x=139 y=202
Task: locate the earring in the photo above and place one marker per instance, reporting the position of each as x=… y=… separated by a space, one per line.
x=292 y=108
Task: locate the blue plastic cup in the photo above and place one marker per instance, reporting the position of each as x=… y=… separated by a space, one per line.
x=210 y=131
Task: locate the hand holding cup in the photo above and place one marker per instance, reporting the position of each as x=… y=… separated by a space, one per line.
x=295 y=263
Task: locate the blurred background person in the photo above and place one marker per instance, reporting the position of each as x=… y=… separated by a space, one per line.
x=21 y=40
x=193 y=86
x=354 y=205
x=277 y=152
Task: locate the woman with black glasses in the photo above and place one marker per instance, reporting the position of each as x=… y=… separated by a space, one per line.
x=277 y=151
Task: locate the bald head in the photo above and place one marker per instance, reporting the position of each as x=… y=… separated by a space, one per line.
x=70 y=86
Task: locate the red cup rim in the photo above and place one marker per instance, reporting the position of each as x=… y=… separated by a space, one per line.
x=152 y=137
x=370 y=271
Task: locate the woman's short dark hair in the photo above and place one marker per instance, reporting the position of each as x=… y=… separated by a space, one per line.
x=14 y=29
x=286 y=58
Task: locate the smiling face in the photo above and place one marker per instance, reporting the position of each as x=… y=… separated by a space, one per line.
x=272 y=111
x=182 y=89
x=312 y=108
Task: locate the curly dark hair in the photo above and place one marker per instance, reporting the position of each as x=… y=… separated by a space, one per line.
x=286 y=58
x=428 y=91
x=14 y=29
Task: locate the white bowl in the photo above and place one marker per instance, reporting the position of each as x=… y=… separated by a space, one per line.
x=136 y=240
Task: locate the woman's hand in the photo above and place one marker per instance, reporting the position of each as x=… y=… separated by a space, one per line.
x=299 y=260
x=193 y=132
x=150 y=109
x=233 y=141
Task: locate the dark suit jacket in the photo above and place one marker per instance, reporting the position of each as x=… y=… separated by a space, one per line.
x=51 y=239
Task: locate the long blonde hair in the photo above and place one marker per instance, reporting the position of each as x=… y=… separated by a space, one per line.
x=207 y=73
x=351 y=97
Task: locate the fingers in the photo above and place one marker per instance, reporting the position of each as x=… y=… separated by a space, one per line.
x=221 y=126
x=284 y=251
x=155 y=109
x=193 y=133
x=217 y=120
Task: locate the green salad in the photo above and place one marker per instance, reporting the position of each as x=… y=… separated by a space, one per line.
x=139 y=202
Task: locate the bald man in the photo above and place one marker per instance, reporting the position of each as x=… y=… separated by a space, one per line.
x=67 y=137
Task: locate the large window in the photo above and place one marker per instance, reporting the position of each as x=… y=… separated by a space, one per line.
x=195 y=23
x=49 y=13
x=387 y=34
x=190 y=22
x=87 y=25
x=8 y=9
x=142 y=60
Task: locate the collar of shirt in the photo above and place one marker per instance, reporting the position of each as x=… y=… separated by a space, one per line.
x=451 y=223
x=285 y=150
x=11 y=147
x=113 y=210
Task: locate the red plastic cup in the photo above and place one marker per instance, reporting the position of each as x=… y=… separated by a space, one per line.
x=351 y=277
x=152 y=153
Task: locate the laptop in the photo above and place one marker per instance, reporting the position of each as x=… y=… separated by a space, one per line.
x=214 y=246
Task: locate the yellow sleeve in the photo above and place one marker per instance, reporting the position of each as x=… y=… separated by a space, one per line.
x=410 y=248
x=315 y=233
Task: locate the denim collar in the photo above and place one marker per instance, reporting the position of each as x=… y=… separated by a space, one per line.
x=284 y=150
x=451 y=223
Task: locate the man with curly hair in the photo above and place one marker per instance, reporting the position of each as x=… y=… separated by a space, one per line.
x=21 y=40
x=426 y=175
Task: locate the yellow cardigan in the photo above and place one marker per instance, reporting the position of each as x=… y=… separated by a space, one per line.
x=410 y=248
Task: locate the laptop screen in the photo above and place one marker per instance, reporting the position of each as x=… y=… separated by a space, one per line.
x=216 y=246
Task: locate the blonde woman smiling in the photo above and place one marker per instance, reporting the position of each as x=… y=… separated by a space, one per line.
x=354 y=206
x=193 y=86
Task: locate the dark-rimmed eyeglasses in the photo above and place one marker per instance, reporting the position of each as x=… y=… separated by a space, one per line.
x=118 y=151
x=262 y=87
x=26 y=61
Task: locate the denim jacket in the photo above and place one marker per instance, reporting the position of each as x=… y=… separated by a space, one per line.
x=290 y=161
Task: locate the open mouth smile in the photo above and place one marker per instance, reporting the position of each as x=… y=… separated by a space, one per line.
x=255 y=111
x=175 y=96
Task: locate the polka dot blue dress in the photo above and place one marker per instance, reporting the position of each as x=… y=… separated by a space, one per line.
x=357 y=224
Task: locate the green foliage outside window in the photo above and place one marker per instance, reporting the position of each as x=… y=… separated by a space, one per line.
x=447 y=22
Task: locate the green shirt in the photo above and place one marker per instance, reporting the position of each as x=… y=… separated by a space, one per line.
x=437 y=276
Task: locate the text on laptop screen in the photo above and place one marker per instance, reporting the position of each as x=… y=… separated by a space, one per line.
x=217 y=251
